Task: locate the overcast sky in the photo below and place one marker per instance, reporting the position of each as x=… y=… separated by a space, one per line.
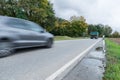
x=95 y=11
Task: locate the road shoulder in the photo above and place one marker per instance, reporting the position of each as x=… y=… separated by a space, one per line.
x=90 y=68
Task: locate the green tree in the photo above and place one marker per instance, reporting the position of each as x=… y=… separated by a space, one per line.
x=107 y=30
x=78 y=26
x=115 y=34
x=61 y=27
x=92 y=28
x=102 y=29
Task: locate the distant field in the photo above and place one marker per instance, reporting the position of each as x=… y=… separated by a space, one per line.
x=113 y=60
x=115 y=40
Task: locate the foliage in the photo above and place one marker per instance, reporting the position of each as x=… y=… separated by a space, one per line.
x=102 y=29
x=115 y=34
x=60 y=27
x=73 y=28
x=107 y=30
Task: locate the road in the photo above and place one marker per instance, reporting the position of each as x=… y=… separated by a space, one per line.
x=40 y=63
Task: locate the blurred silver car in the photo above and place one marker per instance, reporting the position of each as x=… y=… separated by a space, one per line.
x=18 y=33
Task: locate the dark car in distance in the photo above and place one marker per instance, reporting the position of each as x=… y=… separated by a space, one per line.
x=19 y=33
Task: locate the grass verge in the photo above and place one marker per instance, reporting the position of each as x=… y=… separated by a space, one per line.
x=113 y=61
x=64 y=38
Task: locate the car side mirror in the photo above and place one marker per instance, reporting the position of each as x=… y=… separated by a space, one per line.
x=42 y=31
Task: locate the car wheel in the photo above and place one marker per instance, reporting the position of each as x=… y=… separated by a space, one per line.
x=91 y=38
x=49 y=43
x=6 y=48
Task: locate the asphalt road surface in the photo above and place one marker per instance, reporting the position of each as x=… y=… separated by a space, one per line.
x=40 y=63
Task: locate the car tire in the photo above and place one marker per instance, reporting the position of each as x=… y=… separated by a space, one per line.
x=91 y=38
x=6 y=48
x=49 y=43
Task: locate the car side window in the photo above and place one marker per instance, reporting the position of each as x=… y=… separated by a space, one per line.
x=35 y=27
x=23 y=24
x=15 y=23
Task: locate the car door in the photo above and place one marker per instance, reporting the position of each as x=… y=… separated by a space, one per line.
x=37 y=34
x=32 y=34
x=22 y=29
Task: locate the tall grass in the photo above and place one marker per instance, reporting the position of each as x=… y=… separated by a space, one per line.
x=113 y=61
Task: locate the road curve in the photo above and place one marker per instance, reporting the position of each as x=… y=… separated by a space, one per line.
x=38 y=64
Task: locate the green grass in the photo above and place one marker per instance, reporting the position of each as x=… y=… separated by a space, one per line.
x=113 y=61
x=64 y=38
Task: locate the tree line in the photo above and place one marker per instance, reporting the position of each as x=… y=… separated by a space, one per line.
x=72 y=28
x=41 y=12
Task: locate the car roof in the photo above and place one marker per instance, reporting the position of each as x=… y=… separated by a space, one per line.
x=5 y=18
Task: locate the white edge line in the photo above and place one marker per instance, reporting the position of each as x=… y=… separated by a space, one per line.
x=62 y=69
